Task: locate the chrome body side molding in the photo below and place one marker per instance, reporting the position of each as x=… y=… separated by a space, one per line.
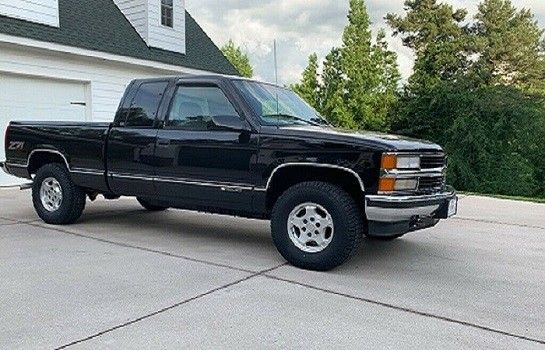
x=226 y=187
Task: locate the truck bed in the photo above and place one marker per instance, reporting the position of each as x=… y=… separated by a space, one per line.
x=82 y=145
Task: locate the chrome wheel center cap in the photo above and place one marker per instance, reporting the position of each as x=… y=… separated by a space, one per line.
x=51 y=194
x=310 y=227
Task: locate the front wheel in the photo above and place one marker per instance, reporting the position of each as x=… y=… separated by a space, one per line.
x=57 y=200
x=316 y=226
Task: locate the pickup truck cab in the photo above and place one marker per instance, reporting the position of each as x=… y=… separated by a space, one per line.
x=238 y=147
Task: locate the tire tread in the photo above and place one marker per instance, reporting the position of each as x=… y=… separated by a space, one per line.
x=347 y=205
x=74 y=198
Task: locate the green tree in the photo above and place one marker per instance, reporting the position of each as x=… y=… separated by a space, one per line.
x=473 y=91
x=332 y=91
x=359 y=82
x=435 y=32
x=370 y=71
x=309 y=86
x=509 y=46
x=238 y=58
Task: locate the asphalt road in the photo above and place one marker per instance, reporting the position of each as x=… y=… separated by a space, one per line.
x=124 y=278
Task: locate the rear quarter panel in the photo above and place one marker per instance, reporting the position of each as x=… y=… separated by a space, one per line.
x=81 y=144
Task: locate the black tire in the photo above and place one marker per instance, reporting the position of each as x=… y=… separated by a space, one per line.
x=149 y=206
x=73 y=196
x=347 y=219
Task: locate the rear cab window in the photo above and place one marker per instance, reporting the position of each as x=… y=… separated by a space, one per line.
x=145 y=105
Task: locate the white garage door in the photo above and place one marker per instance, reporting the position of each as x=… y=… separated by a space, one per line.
x=40 y=99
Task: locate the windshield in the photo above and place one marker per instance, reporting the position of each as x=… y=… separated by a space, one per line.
x=278 y=106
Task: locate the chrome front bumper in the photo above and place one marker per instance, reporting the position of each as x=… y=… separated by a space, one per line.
x=394 y=215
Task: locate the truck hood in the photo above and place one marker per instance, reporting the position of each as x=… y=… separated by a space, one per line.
x=384 y=142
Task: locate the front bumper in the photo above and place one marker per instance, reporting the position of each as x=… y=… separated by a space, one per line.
x=395 y=215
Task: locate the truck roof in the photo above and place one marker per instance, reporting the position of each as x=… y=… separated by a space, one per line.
x=217 y=77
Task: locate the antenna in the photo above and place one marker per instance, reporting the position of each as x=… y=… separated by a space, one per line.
x=275 y=63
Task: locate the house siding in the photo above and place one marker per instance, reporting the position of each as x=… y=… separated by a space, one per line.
x=136 y=13
x=172 y=39
x=106 y=81
x=38 y=11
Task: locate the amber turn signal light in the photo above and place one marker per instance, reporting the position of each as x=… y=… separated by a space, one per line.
x=389 y=161
x=387 y=184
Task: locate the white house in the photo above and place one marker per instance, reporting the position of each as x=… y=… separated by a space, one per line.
x=71 y=60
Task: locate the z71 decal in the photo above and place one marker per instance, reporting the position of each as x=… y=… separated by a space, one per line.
x=16 y=146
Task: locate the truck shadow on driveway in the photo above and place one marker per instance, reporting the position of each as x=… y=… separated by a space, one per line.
x=184 y=229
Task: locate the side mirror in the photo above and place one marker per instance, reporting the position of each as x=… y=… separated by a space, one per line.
x=228 y=123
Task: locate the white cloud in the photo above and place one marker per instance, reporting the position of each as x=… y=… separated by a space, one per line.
x=302 y=27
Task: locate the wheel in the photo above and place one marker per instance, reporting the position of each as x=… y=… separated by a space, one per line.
x=56 y=199
x=316 y=226
x=150 y=207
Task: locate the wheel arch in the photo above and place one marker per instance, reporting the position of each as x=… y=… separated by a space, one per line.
x=40 y=157
x=287 y=175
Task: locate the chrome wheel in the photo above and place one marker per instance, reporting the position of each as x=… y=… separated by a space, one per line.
x=51 y=194
x=310 y=227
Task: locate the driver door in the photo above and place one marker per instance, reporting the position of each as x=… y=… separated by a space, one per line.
x=199 y=164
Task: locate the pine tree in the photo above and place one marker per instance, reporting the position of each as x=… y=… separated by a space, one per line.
x=357 y=65
x=359 y=81
x=309 y=86
x=509 y=45
x=438 y=38
x=369 y=70
x=238 y=58
x=332 y=91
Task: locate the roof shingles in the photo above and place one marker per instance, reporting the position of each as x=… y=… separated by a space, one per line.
x=100 y=26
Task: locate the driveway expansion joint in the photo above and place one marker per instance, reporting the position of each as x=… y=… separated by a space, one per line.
x=171 y=307
x=140 y=248
x=409 y=310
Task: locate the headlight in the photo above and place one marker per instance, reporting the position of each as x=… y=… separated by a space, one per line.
x=391 y=161
x=391 y=184
x=408 y=162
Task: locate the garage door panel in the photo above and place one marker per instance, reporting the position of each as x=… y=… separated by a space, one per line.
x=39 y=99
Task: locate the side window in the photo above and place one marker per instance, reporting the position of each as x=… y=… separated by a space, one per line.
x=145 y=104
x=194 y=106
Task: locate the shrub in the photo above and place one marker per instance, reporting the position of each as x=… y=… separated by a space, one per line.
x=495 y=136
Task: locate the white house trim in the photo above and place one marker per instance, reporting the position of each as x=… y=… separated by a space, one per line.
x=10 y=39
x=38 y=11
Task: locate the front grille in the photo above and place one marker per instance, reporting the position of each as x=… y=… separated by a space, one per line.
x=431 y=184
x=433 y=160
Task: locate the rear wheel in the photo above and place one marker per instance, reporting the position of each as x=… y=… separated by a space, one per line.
x=316 y=225
x=57 y=200
x=150 y=206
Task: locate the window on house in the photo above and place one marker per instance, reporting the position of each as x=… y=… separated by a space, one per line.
x=167 y=13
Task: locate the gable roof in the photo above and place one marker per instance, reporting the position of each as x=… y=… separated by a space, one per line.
x=99 y=25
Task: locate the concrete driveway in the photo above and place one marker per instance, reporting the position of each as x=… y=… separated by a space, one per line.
x=124 y=278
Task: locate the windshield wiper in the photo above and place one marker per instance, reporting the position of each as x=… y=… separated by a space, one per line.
x=320 y=121
x=313 y=121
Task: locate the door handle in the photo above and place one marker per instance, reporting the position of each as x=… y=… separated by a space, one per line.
x=163 y=142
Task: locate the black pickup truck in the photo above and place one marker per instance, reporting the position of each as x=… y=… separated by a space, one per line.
x=237 y=147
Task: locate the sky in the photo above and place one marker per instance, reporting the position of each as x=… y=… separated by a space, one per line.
x=302 y=27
